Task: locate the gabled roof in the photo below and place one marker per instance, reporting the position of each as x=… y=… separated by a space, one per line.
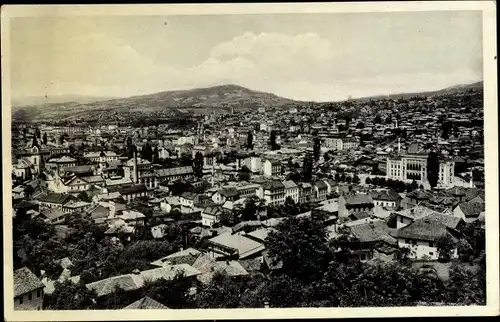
x=385 y=195
x=271 y=185
x=472 y=208
x=174 y=171
x=146 y=303
x=25 y=281
x=212 y=210
x=228 y=192
x=138 y=188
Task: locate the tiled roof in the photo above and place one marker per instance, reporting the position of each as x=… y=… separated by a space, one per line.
x=289 y=184
x=25 y=281
x=146 y=303
x=385 y=195
x=423 y=229
x=358 y=199
x=55 y=198
x=174 y=171
x=228 y=192
x=208 y=267
x=416 y=212
x=472 y=208
x=321 y=185
x=52 y=213
x=449 y=221
x=138 y=188
x=372 y=232
x=271 y=185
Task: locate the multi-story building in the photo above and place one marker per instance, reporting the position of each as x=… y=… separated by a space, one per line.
x=334 y=143
x=272 y=168
x=274 y=193
x=413 y=166
x=291 y=190
x=349 y=204
x=254 y=164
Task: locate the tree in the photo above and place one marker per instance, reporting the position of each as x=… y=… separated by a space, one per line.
x=368 y=180
x=316 y=148
x=249 y=140
x=433 y=168
x=37 y=133
x=307 y=168
x=221 y=292
x=445 y=247
x=69 y=296
x=326 y=156
x=198 y=165
x=402 y=255
x=273 y=144
x=44 y=138
x=244 y=174
x=147 y=152
x=377 y=119
x=300 y=240
x=356 y=179
x=360 y=125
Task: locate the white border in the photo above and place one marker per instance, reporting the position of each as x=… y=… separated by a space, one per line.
x=491 y=158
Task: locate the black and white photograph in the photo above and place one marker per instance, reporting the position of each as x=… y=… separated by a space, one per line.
x=165 y=158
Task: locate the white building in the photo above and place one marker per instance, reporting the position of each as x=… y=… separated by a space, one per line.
x=291 y=190
x=271 y=168
x=254 y=164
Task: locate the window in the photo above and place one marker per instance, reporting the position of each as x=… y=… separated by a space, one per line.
x=38 y=293
x=431 y=244
x=21 y=299
x=30 y=297
x=401 y=219
x=407 y=241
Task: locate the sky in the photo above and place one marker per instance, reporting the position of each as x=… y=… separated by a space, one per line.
x=318 y=57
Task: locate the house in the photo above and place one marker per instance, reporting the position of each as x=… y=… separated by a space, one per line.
x=291 y=190
x=407 y=216
x=349 y=204
x=184 y=256
x=28 y=290
x=76 y=206
x=331 y=186
x=54 y=200
x=235 y=246
x=171 y=175
x=53 y=216
x=390 y=200
x=146 y=303
x=470 y=211
x=188 y=199
x=211 y=215
x=274 y=193
x=373 y=240
x=421 y=237
x=320 y=190
x=62 y=162
x=130 y=217
x=226 y=194
x=104 y=156
x=271 y=168
x=98 y=213
x=306 y=192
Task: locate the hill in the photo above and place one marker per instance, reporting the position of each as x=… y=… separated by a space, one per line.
x=446 y=91
x=58 y=99
x=217 y=97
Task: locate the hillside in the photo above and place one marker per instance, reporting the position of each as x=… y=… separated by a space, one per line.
x=217 y=97
x=446 y=91
x=58 y=99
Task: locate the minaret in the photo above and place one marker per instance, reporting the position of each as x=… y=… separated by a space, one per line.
x=134 y=168
x=471 y=182
x=399 y=145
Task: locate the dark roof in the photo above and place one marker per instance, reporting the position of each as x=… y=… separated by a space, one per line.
x=271 y=185
x=373 y=232
x=418 y=194
x=133 y=189
x=25 y=281
x=146 y=303
x=390 y=195
x=359 y=215
x=321 y=185
x=228 y=192
x=424 y=229
x=56 y=198
x=359 y=199
x=188 y=195
x=212 y=210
